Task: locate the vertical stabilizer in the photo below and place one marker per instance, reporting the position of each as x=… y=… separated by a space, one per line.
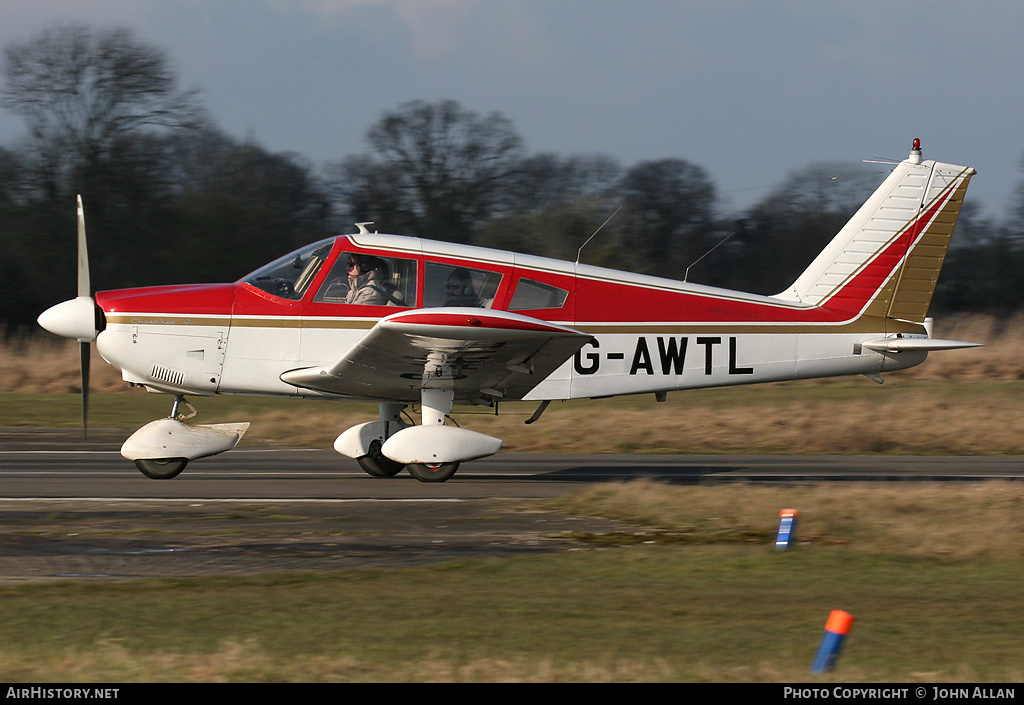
x=886 y=259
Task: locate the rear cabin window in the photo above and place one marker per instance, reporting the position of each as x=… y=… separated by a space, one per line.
x=531 y=294
x=449 y=285
x=369 y=280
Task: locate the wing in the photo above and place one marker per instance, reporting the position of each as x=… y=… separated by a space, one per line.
x=481 y=354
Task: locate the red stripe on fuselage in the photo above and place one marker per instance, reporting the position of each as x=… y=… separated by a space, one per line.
x=856 y=293
x=603 y=301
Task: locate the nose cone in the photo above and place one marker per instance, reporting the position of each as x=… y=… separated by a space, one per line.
x=75 y=318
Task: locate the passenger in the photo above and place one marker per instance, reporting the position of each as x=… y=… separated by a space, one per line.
x=459 y=289
x=366 y=281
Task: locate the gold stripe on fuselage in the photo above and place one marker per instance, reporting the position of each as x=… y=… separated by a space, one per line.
x=860 y=324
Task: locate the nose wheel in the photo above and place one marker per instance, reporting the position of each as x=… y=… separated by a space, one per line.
x=167 y=468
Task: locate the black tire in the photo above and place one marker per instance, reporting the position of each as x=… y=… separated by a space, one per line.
x=377 y=464
x=161 y=468
x=433 y=472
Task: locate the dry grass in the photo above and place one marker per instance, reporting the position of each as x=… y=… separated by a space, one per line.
x=45 y=364
x=249 y=662
x=236 y=662
x=976 y=521
x=1001 y=357
x=787 y=420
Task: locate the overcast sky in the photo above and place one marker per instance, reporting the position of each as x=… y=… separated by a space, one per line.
x=751 y=91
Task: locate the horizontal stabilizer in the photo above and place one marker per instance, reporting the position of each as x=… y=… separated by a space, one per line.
x=896 y=345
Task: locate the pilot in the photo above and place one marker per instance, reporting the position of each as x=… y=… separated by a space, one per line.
x=459 y=289
x=365 y=281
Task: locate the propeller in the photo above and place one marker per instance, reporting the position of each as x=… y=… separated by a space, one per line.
x=77 y=318
x=84 y=291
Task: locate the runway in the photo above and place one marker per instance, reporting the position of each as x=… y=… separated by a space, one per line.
x=76 y=510
x=56 y=463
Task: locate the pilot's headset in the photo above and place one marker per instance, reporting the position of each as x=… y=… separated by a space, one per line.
x=368 y=263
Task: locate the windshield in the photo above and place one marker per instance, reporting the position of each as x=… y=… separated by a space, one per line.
x=290 y=276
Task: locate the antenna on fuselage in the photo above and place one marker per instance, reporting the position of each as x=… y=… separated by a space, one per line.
x=721 y=242
x=579 y=253
x=362 y=227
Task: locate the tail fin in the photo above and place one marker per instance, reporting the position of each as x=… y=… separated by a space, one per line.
x=886 y=260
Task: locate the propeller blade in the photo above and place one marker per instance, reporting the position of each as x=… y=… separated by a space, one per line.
x=84 y=289
x=84 y=286
x=84 y=353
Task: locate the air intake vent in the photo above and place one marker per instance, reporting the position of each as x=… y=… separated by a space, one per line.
x=168 y=375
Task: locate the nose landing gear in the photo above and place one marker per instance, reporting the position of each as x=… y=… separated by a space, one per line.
x=161 y=449
x=161 y=468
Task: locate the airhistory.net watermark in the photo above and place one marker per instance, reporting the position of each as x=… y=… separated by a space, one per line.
x=47 y=693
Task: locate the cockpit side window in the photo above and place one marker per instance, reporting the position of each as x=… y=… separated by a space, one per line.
x=290 y=276
x=451 y=285
x=531 y=294
x=371 y=280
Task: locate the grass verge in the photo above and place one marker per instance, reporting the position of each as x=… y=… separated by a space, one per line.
x=920 y=416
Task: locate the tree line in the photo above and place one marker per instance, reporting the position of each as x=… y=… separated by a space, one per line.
x=171 y=198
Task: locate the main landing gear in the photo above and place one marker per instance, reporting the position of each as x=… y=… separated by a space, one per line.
x=433 y=472
x=366 y=441
x=377 y=464
x=431 y=452
x=436 y=405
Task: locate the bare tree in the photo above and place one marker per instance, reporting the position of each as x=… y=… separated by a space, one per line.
x=449 y=164
x=779 y=236
x=670 y=207
x=82 y=91
x=545 y=180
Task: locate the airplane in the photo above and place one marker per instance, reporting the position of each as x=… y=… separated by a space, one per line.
x=403 y=321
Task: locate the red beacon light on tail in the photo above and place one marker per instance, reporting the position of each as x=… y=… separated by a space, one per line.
x=915 y=153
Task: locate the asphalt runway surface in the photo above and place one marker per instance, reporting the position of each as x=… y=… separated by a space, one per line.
x=77 y=510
